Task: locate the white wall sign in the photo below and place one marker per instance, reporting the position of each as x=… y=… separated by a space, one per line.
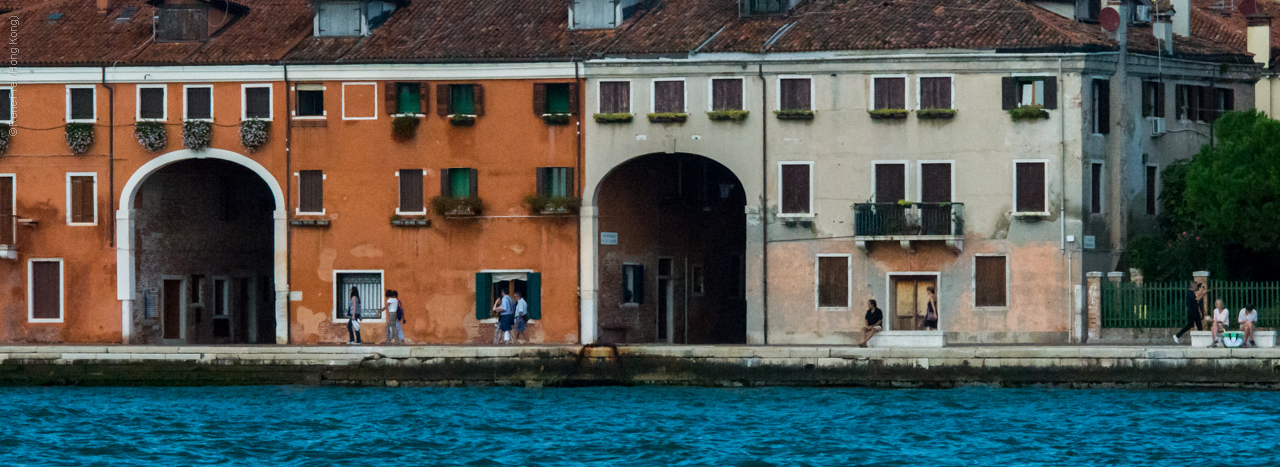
x=608 y=238
x=1090 y=242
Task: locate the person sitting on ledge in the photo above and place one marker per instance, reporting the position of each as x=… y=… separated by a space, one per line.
x=875 y=323
x=1248 y=319
x=1221 y=317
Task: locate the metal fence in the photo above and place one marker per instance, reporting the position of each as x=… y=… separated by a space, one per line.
x=1164 y=304
x=879 y=219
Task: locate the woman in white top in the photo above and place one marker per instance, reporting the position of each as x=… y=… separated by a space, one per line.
x=1248 y=317
x=1221 y=316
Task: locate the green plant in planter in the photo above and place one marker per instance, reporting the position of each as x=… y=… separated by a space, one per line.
x=888 y=113
x=450 y=206
x=556 y=119
x=5 y=134
x=903 y=202
x=1028 y=112
x=552 y=204
x=668 y=117
x=79 y=137
x=196 y=134
x=254 y=134
x=462 y=120
x=151 y=135
x=613 y=118
x=404 y=127
x=936 y=113
x=726 y=115
x=794 y=114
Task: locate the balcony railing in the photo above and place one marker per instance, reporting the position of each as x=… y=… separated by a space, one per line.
x=909 y=221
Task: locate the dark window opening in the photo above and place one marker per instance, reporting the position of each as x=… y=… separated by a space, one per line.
x=151 y=103
x=199 y=103
x=257 y=103
x=1031 y=187
x=1101 y=106
x=555 y=182
x=411 y=190
x=310 y=101
x=458 y=183
x=990 y=281
x=1153 y=99
x=632 y=283
x=82 y=104
x=1095 y=190
x=1151 y=189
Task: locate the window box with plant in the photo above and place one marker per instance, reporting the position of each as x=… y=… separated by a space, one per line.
x=409 y=221
x=151 y=135
x=668 y=117
x=79 y=137
x=555 y=194
x=459 y=196
x=936 y=114
x=555 y=103
x=461 y=103
x=1029 y=97
x=613 y=118
x=890 y=114
x=727 y=115
x=254 y=133
x=1030 y=112
x=794 y=114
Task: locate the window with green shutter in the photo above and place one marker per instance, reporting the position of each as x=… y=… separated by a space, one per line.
x=484 y=295
x=558 y=98
x=459 y=183
x=533 y=295
x=555 y=182
x=408 y=98
x=462 y=99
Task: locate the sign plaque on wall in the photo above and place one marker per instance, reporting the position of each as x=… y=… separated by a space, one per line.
x=1090 y=242
x=608 y=238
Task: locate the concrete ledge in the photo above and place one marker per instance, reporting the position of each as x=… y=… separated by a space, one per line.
x=908 y=339
x=1265 y=339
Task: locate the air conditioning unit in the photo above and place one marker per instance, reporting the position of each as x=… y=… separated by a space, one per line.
x=1157 y=126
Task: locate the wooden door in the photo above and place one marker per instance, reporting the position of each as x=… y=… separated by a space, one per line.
x=905 y=306
x=171 y=317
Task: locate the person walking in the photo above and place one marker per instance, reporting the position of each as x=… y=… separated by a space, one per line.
x=875 y=322
x=1193 y=311
x=1221 y=317
x=1248 y=320
x=394 y=312
x=353 y=318
x=521 y=317
x=931 y=311
x=506 y=316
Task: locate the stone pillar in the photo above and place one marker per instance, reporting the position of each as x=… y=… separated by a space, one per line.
x=1202 y=278
x=1115 y=277
x=589 y=229
x=1094 y=279
x=754 y=277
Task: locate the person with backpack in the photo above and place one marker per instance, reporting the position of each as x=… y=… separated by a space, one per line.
x=353 y=318
x=395 y=317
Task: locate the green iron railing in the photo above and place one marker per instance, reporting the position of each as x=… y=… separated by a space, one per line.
x=886 y=219
x=1164 y=304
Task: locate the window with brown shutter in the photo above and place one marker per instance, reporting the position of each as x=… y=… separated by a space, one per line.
x=1153 y=99
x=151 y=103
x=46 y=290
x=310 y=191
x=890 y=93
x=7 y=218
x=555 y=182
x=81 y=204
x=1030 y=187
x=668 y=96
x=411 y=191
x=833 y=281
x=935 y=183
x=1029 y=91
x=615 y=97
x=726 y=94
x=400 y=98
x=795 y=94
x=1151 y=189
x=795 y=188
x=989 y=278
x=935 y=92
x=1095 y=188
x=891 y=183
x=199 y=103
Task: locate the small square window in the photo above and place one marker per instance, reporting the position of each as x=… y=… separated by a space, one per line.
x=82 y=105
x=668 y=96
x=795 y=94
x=6 y=105
x=367 y=286
x=257 y=103
x=458 y=183
x=615 y=97
x=151 y=103
x=890 y=93
x=726 y=94
x=558 y=98
x=935 y=92
x=199 y=103
x=310 y=100
x=462 y=99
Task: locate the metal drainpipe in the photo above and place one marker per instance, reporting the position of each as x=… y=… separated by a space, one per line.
x=111 y=152
x=764 y=212
x=288 y=191
x=577 y=82
x=1062 y=193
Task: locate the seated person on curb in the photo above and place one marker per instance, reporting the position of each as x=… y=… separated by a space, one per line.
x=875 y=323
x=1248 y=319
x=1221 y=317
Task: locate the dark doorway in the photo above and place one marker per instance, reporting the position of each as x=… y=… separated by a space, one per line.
x=679 y=223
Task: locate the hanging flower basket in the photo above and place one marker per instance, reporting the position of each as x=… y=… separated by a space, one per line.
x=253 y=134
x=196 y=134
x=404 y=127
x=5 y=133
x=151 y=135
x=79 y=137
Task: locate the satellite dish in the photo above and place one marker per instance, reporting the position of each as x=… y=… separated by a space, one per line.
x=1110 y=19
x=1248 y=7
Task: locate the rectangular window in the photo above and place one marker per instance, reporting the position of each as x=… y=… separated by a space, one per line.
x=1206 y=103
x=1153 y=99
x=151 y=103
x=44 y=291
x=220 y=298
x=890 y=93
x=697 y=281
x=632 y=284
x=795 y=94
x=1151 y=179
x=1224 y=101
x=407 y=99
x=668 y=96
x=462 y=99
x=82 y=206
x=935 y=92
x=555 y=98
x=82 y=104
x=311 y=192
x=833 y=281
x=338 y=19
x=1181 y=98
x=6 y=105
x=615 y=97
x=1030 y=187
x=1025 y=91
x=458 y=183
x=8 y=222
x=411 y=191
x=1101 y=106
x=726 y=94
x=555 y=182
x=935 y=182
x=891 y=182
x=1095 y=190
x=794 y=187
x=367 y=285
x=197 y=288
x=256 y=103
x=310 y=100
x=990 y=279
x=199 y=103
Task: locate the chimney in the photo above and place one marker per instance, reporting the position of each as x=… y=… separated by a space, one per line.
x=1162 y=26
x=1259 y=36
x=104 y=6
x=1182 y=17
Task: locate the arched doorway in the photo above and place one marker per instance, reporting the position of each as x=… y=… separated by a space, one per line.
x=201 y=251
x=671 y=253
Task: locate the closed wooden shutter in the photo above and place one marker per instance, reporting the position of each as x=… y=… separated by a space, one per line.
x=82 y=104
x=1095 y=189
x=445 y=192
x=543 y=176
x=668 y=97
x=311 y=191
x=573 y=98
x=890 y=93
x=891 y=183
x=833 y=281
x=150 y=103
x=726 y=94
x=477 y=100
x=7 y=234
x=539 y=98
x=1151 y=190
x=935 y=183
x=475 y=179
x=1050 y=93
x=1102 y=114
x=935 y=93
x=442 y=100
x=615 y=97
x=533 y=295
x=989 y=281
x=390 y=97
x=1008 y=92
x=1031 y=191
x=484 y=295
x=46 y=289
x=411 y=190
x=795 y=94
x=423 y=93
x=82 y=199
x=199 y=103
x=569 y=182
x=1159 y=100
x=795 y=188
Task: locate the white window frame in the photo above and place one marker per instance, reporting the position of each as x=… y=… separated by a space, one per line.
x=906 y=179
x=31 y=289
x=12 y=105
x=95 y=103
x=653 y=96
x=185 y=87
x=14 y=207
x=711 y=92
x=164 y=99
x=244 y=101
x=906 y=90
x=95 y=198
x=1045 y=162
x=973 y=283
x=777 y=96
x=1102 y=189
x=382 y=280
x=920 y=177
x=920 y=97
x=324 y=113
x=891 y=307
x=631 y=94
x=1157 y=187
x=375 y=100
x=817 y=282
x=812 y=211
x=297 y=210
x=423 y=212
x=226 y=297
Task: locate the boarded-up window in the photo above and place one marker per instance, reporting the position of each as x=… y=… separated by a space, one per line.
x=555 y=182
x=7 y=222
x=726 y=94
x=833 y=281
x=199 y=103
x=82 y=103
x=1095 y=188
x=935 y=93
x=311 y=191
x=795 y=179
x=151 y=103
x=1151 y=189
x=615 y=97
x=310 y=100
x=795 y=94
x=668 y=96
x=890 y=93
x=81 y=202
x=935 y=183
x=46 y=290
x=1030 y=187
x=1153 y=99
x=1101 y=106
x=989 y=279
x=257 y=102
x=891 y=183
x=411 y=190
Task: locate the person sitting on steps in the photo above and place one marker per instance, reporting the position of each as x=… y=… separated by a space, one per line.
x=875 y=323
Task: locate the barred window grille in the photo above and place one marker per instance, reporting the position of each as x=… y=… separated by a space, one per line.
x=368 y=285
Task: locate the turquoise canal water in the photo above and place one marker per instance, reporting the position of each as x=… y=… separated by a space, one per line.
x=304 y=426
